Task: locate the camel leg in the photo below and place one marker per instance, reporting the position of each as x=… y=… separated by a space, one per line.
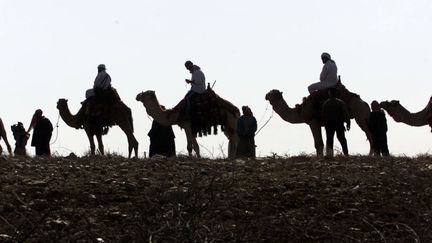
x=315 y=127
x=191 y=142
x=363 y=124
x=132 y=142
x=361 y=115
x=100 y=144
x=92 y=144
x=196 y=147
x=232 y=144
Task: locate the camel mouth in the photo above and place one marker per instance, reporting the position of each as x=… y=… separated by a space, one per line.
x=138 y=97
x=273 y=94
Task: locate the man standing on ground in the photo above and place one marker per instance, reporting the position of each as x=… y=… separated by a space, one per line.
x=334 y=114
x=42 y=133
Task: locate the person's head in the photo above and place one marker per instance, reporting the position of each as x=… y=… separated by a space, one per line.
x=38 y=113
x=375 y=106
x=189 y=65
x=325 y=57
x=332 y=92
x=246 y=110
x=101 y=67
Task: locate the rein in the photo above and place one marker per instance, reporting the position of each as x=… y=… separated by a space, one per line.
x=265 y=124
x=57 y=129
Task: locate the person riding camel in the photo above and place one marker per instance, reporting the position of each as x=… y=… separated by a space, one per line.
x=101 y=88
x=328 y=76
x=102 y=82
x=197 y=83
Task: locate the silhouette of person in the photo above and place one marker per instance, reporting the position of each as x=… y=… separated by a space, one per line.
x=102 y=82
x=197 y=83
x=378 y=128
x=328 y=76
x=21 y=137
x=161 y=139
x=42 y=132
x=246 y=128
x=334 y=114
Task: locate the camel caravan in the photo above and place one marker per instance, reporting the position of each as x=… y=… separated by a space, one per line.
x=201 y=112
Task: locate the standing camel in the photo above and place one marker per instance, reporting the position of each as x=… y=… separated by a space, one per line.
x=171 y=117
x=3 y=135
x=401 y=114
x=121 y=115
x=306 y=113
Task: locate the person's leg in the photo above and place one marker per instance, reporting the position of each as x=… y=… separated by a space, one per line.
x=384 y=146
x=376 y=145
x=340 y=133
x=314 y=86
x=330 y=131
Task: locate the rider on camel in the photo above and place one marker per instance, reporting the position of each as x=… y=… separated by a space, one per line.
x=328 y=76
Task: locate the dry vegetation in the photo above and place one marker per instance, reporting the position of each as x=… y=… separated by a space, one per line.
x=297 y=199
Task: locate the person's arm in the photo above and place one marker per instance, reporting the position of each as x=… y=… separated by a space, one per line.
x=255 y=125
x=324 y=73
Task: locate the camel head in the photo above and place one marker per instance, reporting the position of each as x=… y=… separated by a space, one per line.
x=146 y=96
x=62 y=103
x=389 y=105
x=273 y=96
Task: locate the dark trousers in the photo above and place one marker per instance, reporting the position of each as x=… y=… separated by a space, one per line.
x=331 y=128
x=380 y=146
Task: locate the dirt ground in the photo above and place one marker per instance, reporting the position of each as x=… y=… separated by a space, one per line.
x=296 y=199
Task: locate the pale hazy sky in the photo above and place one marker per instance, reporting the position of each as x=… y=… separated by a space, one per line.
x=50 y=50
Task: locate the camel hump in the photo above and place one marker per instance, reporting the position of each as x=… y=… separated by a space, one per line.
x=315 y=100
x=320 y=96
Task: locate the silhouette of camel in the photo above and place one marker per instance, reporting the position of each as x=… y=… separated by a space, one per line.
x=307 y=113
x=121 y=115
x=401 y=114
x=171 y=117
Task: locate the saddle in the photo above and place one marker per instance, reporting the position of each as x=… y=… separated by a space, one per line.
x=102 y=103
x=98 y=109
x=205 y=113
x=317 y=98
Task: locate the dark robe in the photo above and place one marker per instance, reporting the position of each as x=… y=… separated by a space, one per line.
x=161 y=140
x=246 y=128
x=378 y=128
x=42 y=133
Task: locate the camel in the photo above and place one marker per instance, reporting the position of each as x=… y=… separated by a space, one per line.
x=401 y=114
x=171 y=117
x=304 y=113
x=121 y=116
x=3 y=135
